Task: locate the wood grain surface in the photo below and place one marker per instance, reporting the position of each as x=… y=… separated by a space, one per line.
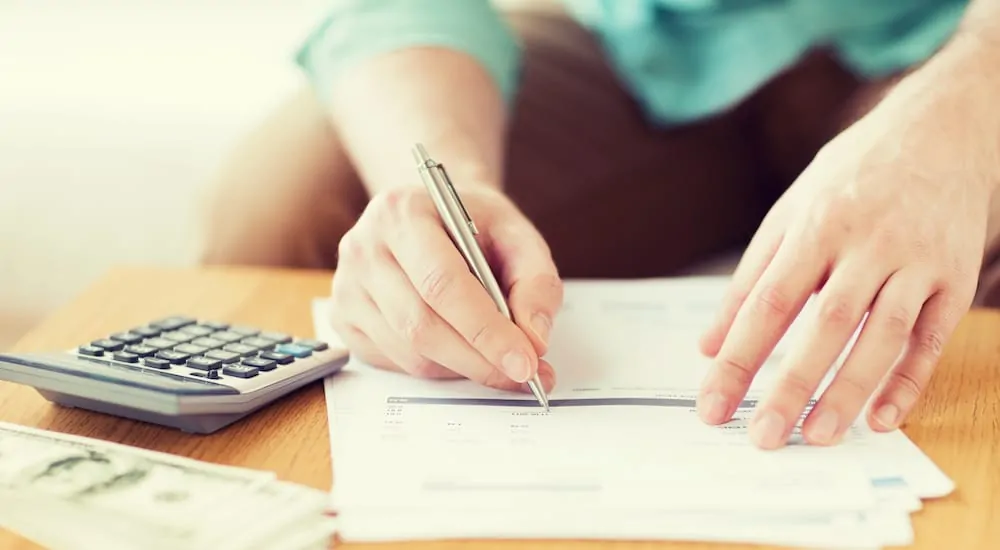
x=957 y=423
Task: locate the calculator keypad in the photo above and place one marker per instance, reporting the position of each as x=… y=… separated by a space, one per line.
x=210 y=349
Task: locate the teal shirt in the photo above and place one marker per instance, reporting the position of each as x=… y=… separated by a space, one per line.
x=682 y=59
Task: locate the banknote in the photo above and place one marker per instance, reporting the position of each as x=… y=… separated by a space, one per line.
x=68 y=492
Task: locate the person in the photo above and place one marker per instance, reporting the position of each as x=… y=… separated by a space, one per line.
x=851 y=146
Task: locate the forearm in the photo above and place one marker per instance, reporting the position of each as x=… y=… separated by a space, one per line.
x=436 y=96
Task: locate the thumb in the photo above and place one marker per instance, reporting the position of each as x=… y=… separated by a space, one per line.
x=530 y=278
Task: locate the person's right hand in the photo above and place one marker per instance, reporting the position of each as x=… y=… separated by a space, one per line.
x=404 y=298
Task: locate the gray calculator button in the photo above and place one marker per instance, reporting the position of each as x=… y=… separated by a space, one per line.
x=127 y=337
x=173 y=323
x=190 y=349
x=276 y=337
x=208 y=343
x=224 y=356
x=241 y=349
x=244 y=331
x=259 y=343
x=146 y=332
x=214 y=325
x=265 y=365
x=92 y=351
x=141 y=350
x=178 y=336
x=197 y=330
x=228 y=337
x=204 y=363
x=160 y=343
x=280 y=358
x=108 y=345
x=240 y=371
x=155 y=363
x=174 y=357
x=126 y=357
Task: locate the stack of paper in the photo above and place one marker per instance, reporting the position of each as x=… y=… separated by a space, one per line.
x=621 y=455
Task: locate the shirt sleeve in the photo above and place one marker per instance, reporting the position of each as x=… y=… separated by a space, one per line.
x=355 y=30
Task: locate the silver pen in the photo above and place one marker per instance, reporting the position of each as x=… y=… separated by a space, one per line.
x=463 y=233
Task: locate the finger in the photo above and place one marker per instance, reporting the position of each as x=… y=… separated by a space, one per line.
x=531 y=280
x=905 y=383
x=372 y=324
x=762 y=319
x=878 y=347
x=755 y=259
x=421 y=329
x=840 y=308
x=449 y=290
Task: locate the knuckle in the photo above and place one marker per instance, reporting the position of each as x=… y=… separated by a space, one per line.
x=416 y=325
x=737 y=369
x=907 y=384
x=481 y=336
x=396 y=205
x=836 y=311
x=854 y=389
x=898 y=323
x=436 y=284
x=930 y=343
x=350 y=248
x=773 y=301
x=796 y=384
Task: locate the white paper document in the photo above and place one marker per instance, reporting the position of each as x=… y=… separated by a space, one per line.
x=622 y=453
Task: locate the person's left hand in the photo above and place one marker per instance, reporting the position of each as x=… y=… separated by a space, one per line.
x=888 y=220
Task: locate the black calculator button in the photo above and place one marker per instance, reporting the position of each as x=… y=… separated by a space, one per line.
x=228 y=337
x=141 y=350
x=315 y=345
x=265 y=365
x=174 y=357
x=178 y=336
x=214 y=325
x=155 y=363
x=146 y=332
x=190 y=349
x=295 y=350
x=208 y=343
x=92 y=351
x=276 y=337
x=126 y=357
x=108 y=345
x=240 y=371
x=241 y=349
x=244 y=331
x=224 y=356
x=280 y=358
x=127 y=337
x=259 y=343
x=160 y=343
x=173 y=323
x=204 y=363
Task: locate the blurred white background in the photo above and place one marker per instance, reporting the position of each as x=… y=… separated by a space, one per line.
x=113 y=116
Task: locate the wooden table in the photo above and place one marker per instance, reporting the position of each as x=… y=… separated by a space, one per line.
x=957 y=423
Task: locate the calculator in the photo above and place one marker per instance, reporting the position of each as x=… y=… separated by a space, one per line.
x=194 y=375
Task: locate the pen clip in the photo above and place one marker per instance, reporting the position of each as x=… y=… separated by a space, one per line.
x=458 y=200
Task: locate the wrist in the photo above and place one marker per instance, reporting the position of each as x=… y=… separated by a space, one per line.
x=946 y=111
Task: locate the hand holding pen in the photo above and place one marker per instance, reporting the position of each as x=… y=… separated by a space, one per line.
x=408 y=296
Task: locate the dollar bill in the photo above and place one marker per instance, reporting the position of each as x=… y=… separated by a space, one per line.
x=70 y=492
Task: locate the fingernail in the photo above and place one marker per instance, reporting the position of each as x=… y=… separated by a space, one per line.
x=713 y=408
x=541 y=325
x=887 y=415
x=517 y=366
x=824 y=428
x=768 y=430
